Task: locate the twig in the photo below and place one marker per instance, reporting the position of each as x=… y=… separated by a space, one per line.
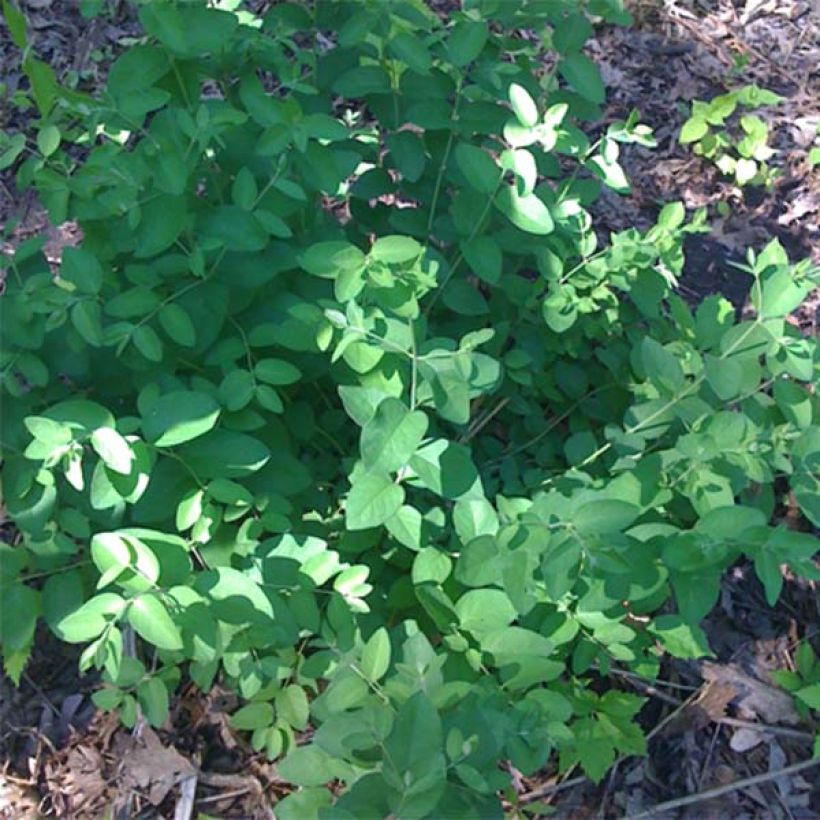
x=45 y=698
x=483 y=422
x=531 y=797
x=185 y=807
x=727 y=789
x=650 y=690
x=214 y=798
x=766 y=728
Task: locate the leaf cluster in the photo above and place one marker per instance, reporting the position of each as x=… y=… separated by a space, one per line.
x=743 y=158
x=342 y=400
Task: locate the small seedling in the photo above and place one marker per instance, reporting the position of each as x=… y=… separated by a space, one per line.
x=741 y=153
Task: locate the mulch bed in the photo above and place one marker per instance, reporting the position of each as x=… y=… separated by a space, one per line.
x=718 y=728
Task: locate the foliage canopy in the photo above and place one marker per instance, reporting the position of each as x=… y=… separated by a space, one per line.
x=342 y=399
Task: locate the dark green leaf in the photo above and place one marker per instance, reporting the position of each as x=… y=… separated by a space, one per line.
x=179 y=417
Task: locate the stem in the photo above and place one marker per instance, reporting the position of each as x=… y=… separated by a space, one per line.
x=444 y=161
x=727 y=789
x=550 y=427
x=460 y=258
x=414 y=366
x=691 y=388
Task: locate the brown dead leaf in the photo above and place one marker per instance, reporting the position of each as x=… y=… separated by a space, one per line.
x=708 y=707
x=756 y=699
x=151 y=768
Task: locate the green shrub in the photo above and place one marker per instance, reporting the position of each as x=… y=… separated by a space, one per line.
x=341 y=400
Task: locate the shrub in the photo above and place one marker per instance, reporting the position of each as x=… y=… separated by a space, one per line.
x=341 y=400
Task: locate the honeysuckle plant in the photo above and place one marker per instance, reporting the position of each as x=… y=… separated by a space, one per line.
x=341 y=399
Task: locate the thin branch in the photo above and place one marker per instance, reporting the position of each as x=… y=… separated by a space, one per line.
x=538 y=794
x=719 y=791
x=766 y=728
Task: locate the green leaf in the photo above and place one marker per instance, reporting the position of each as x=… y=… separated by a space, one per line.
x=237 y=389
x=43 y=82
x=573 y=31
x=48 y=431
x=781 y=294
x=795 y=402
x=411 y=51
x=724 y=376
x=528 y=213
x=244 y=190
x=583 y=75
x=330 y=259
x=376 y=656
x=361 y=81
x=189 y=509
x=233 y=228
x=305 y=804
x=162 y=221
x=604 y=516
x=662 y=367
x=693 y=129
x=89 y=620
x=177 y=324
x=408 y=153
x=478 y=167
x=153 y=699
x=273 y=224
x=48 y=139
x=189 y=31
x=484 y=257
x=225 y=454
x=252 y=716
x=113 y=449
x=523 y=105
x=371 y=501
x=152 y=622
x=10 y=149
x=394 y=249
x=446 y=468
x=179 y=416
x=392 y=436
x=145 y=339
x=431 y=565
x=481 y=610
x=310 y=766
x=82 y=269
x=810 y=695
x=473 y=517
x=560 y=308
x=466 y=41
x=63 y=594
x=237 y=598
x=19 y=610
x=414 y=767
x=16 y=22
x=269 y=398
x=767 y=568
x=86 y=317
x=681 y=639
x=611 y=173
x=292 y=706
x=277 y=372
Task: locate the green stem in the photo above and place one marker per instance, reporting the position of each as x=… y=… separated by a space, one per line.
x=443 y=167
